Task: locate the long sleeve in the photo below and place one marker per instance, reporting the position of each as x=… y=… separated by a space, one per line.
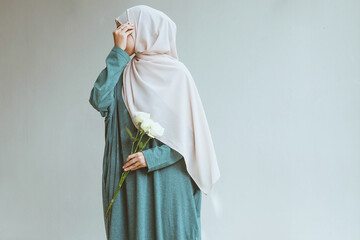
x=160 y=156
x=102 y=93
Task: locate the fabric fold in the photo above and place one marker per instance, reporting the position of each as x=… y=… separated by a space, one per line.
x=157 y=82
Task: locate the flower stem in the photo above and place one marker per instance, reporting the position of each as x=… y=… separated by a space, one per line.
x=137 y=133
x=124 y=174
x=142 y=134
x=145 y=144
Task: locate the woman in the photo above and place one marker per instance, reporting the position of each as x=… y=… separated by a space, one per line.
x=161 y=197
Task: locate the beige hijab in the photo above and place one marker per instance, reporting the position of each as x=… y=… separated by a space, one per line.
x=155 y=81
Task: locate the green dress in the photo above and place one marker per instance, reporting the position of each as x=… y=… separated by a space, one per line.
x=160 y=201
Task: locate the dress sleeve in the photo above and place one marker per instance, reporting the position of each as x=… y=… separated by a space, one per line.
x=102 y=93
x=160 y=156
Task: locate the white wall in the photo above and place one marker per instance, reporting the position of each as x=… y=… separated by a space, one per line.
x=280 y=83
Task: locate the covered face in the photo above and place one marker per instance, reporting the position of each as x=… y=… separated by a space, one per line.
x=118 y=24
x=154 y=32
x=123 y=18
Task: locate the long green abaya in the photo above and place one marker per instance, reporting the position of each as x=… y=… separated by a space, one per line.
x=161 y=201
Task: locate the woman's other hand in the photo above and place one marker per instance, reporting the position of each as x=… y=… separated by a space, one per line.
x=135 y=161
x=121 y=34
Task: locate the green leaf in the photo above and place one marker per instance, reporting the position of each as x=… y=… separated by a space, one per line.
x=130 y=134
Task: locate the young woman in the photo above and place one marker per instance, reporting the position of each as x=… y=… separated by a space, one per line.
x=161 y=196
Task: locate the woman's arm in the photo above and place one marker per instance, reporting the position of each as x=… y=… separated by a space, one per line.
x=160 y=156
x=102 y=94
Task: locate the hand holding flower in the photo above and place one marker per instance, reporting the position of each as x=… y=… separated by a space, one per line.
x=135 y=161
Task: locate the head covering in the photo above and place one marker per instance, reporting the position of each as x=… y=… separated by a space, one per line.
x=156 y=82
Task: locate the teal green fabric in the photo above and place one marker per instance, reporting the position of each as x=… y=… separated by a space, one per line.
x=160 y=201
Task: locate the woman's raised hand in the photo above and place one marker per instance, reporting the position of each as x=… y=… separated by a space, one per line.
x=121 y=34
x=135 y=161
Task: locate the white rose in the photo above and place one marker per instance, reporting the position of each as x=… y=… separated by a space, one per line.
x=156 y=130
x=140 y=117
x=146 y=124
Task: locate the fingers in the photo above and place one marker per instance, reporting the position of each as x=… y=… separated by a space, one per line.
x=123 y=30
x=134 y=161
x=126 y=31
x=137 y=154
x=131 y=159
x=129 y=31
x=133 y=167
x=125 y=26
x=129 y=163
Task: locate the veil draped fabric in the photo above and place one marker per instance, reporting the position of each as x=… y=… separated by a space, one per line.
x=155 y=81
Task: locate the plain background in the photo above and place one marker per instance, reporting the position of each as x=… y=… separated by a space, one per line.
x=280 y=84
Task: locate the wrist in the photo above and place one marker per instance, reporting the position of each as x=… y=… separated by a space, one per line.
x=119 y=46
x=121 y=52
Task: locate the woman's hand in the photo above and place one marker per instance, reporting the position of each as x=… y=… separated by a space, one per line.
x=135 y=161
x=121 y=34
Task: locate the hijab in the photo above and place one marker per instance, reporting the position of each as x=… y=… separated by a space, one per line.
x=157 y=82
